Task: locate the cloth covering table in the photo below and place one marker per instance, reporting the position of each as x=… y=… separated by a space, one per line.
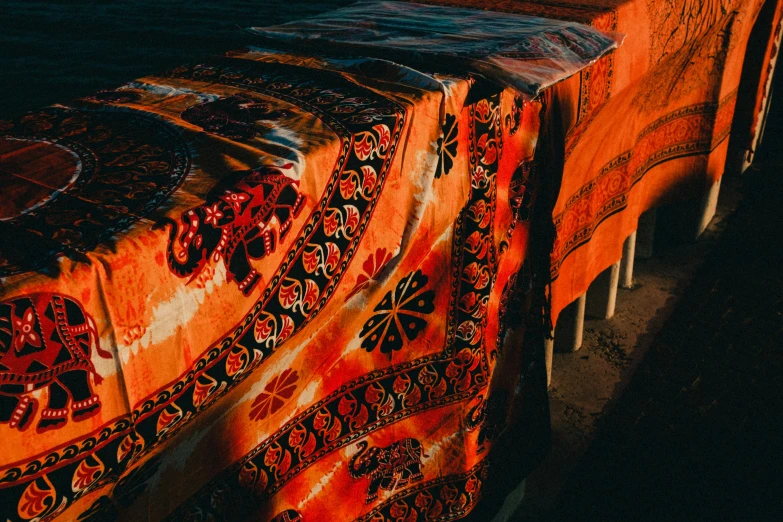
x=280 y=285
x=271 y=286
x=648 y=124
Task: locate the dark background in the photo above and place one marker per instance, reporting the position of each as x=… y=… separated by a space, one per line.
x=55 y=50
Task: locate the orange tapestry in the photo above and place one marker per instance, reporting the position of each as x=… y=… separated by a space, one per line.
x=285 y=287
x=647 y=124
x=247 y=288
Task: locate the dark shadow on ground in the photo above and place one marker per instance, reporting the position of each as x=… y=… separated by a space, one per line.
x=697 y=433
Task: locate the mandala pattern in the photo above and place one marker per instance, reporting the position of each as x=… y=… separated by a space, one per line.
x=111 y=168
x=401 y=312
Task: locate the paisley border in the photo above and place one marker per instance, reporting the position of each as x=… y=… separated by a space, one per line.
x=376 y=399
x=690 y=131
x=110 y=446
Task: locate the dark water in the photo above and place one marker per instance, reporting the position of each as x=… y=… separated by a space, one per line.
x=52 y=51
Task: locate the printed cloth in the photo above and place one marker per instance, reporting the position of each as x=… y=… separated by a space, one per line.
x=248 y=287
x=647 y=124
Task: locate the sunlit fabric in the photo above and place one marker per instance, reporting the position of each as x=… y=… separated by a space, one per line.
x=649 y=123
x=245 y=288
x=307 y=284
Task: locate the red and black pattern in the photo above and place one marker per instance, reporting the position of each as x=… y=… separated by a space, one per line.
x=400 y=315
x=289 y=515
x=489 y=417
x=235 y=223
x=46 y=341
x=447 y=145
x=117 y=166
x=234 y=117
x=445 y=498
x=689 y=131
x=384 y=396
x=389 y=468
x=124 y=493
x=376 y=399
x=106 y=452
x=514 y=118
x=595 y=85
x=369 y=127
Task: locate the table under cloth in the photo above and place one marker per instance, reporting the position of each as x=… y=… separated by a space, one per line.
x=270 y=286
x=649 y=123
x=258 y=286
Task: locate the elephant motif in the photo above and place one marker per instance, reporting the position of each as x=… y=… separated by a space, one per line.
x=46 y=342
x=289 y=515
x=234 y=117
x=243 y=217
x=389 y=467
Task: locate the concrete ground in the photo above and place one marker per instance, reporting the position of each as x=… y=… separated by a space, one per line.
x=672 y=409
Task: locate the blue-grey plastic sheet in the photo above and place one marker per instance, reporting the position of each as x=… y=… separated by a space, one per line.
x=524 y=52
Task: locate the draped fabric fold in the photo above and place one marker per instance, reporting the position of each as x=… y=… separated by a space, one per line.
x=264 y=282
x=247 y=287
x=648 y=124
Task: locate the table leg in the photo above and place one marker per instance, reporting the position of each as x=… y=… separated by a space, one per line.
x=570 y=326
x=549 y=349
x=708 y=205
x=626 y=264
x=603 y=293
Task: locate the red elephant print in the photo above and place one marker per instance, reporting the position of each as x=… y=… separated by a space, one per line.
x=388 y=467
x=289 y=515
x=46 y=342
x=236 y=222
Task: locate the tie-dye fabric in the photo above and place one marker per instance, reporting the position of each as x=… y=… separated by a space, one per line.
x=647 y=124
x=248 y=288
